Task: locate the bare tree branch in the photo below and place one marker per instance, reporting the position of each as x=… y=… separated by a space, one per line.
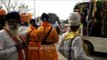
x=12 y=5
x=4 y=2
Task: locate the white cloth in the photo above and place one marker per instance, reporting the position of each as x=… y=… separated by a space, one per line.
x=77 y=52
x=23 y=31
x=8 y=50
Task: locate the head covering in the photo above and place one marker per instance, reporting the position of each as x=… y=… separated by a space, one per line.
x=32 y=21
x=74 y=19
x=44 y=17
x=2 y=12
x=13 y=15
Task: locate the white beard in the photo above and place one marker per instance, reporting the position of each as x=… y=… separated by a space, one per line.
x=14 y=32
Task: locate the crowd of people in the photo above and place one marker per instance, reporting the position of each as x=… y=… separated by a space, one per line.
x=30 y=42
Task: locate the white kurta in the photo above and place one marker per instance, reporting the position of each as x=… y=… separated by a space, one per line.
x=77 y=51
x=8 y=50
x=23 y=31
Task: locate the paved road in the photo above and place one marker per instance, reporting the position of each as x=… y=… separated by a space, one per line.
x=96 y=56
x=100 y=56
x=60 y=57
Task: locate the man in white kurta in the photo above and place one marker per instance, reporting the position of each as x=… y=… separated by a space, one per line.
x=71 y=45
x=8 y=46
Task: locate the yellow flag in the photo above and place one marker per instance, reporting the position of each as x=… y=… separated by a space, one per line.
x=94 y=8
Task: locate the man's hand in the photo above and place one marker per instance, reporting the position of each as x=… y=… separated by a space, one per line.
x=24 y=44
x=20 y=46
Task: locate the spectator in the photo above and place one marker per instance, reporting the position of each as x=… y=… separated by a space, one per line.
x=33 y=43
x=71 y=45
x=11 y=45
x=23 y=28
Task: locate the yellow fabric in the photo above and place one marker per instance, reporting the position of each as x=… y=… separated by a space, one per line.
x=47 y=52
x=81 y=25
x=94 y=8
x=71 y=35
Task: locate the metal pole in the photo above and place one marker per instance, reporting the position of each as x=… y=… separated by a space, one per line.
x=34 y=9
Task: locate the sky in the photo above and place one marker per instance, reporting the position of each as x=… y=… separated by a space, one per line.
x=62 y=8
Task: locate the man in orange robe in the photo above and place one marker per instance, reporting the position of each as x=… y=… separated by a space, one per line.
x=33 y=44
x=48 y=48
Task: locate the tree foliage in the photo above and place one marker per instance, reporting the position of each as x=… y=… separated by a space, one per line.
x=38 y=19
x=14 y=5
x=65 y=21
x=23 y=8
x=53 y=18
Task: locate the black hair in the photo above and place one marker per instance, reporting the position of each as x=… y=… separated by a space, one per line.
x=25 y=24
x=32 y=21
x=74 y=28
x=44 y=17
x=2 y=21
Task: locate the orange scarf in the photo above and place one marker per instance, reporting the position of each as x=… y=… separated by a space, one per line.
x=20 y=53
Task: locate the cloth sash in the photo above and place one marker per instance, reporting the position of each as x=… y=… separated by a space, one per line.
x=71 y=35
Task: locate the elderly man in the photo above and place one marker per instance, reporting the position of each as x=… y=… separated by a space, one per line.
x=11 y=45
